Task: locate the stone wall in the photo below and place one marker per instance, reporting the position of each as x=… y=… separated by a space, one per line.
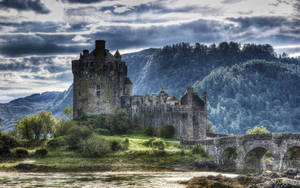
x=100 y=79
x=187 y=114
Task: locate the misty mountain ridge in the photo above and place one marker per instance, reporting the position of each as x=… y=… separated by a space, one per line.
x=246 y=86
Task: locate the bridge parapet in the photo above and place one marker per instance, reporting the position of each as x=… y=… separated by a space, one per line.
x=247 y=147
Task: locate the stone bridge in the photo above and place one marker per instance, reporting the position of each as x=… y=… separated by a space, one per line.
x=277 y=151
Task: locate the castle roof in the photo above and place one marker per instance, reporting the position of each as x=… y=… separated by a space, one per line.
x=117 y=54
x=172 y=98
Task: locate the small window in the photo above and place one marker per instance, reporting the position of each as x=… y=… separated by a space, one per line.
x=98 y=89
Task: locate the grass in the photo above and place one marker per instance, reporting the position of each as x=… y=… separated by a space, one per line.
x=137 y=155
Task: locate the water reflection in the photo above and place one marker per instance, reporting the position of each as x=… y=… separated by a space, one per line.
x=100 y=179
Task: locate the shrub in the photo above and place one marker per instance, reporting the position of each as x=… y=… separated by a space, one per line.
x=148 y=143
x=119 y=145
x=94 y=146
x=155 y=143
x=41 y=152
x=166 y=131
x=56 y=142
x=158 y=144
x=102 y=131
x=76 y=134
x=198 y=150
x=115 y=145
x=258 y=130
x=125 y=144
x=63 y=126
x=149 y=131
x=6 y=143
x=21 y=152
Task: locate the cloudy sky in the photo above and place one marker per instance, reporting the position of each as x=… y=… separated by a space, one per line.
x=39 y=38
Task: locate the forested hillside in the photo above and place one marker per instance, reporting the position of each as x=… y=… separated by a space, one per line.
x=256 y=92
x=247 y=85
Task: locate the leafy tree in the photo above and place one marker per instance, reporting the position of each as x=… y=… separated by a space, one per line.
x=36 y=126
x=68 y=111
x=24 y=128
x=258 y=130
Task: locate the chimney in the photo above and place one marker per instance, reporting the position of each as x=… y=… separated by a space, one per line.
x=100 y=48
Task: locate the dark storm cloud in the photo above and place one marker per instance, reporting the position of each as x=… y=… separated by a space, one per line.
x=159 y=9
x=25 y=5
x=43 y=27
x=282 y=30
x=24 y=27
x=20 y=45
x=259 y=22
x=200 y=30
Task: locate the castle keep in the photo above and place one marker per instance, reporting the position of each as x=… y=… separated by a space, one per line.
x=101 y=83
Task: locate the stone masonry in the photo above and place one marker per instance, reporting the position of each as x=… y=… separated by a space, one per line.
x=101 y=83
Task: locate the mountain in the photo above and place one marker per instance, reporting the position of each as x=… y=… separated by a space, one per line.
x=227 y=71
x=18 y=108
x=256 y=92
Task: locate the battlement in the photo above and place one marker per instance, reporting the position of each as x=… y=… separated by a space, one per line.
x=100 y=61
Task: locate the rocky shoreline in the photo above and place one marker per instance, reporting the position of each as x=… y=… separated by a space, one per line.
x=287 y=179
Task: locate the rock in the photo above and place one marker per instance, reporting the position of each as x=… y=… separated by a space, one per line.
x=213 y=182
x=32 y=167
x=291 y=173
x=25 y=166
x=274 y=175
x=210 y=165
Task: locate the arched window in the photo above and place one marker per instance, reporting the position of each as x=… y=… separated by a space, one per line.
x=98 y=89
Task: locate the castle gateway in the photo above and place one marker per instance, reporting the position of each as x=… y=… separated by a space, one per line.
x=101 y=83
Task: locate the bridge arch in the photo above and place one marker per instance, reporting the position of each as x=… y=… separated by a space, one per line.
x=229 y=157
x=254 y=159
x=292 y=157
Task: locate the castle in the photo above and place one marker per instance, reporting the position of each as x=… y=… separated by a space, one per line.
x=101 y=83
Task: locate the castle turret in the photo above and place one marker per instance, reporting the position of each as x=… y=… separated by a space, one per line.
x=118 y=55
x=100 y=79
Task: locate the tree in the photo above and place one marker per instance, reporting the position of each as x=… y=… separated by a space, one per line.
x=68 y=111
x=36 y=126
x=47 y=122
x=258 y=130
x=24 y=128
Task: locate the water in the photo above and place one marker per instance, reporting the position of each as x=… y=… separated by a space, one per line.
x=101 y=179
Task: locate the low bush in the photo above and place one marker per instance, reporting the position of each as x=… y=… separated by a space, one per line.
x=149 y=131
x=148 y=143
x=158 y=144
x=155 y=143
x=57 y=142
x=103 y=131
x=21 y=152
x=125 y=144
x=7 y=142
x=166 y=131
x=116 y=145
x=41 y=152
x=63 y=126
x=76 y=134
x=94 y=146
x=198 y=150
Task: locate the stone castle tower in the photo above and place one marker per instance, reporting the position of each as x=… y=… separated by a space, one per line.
x=100 y=79
x=101 y=83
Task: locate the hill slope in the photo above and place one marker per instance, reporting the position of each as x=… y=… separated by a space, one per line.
x=257 y=92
